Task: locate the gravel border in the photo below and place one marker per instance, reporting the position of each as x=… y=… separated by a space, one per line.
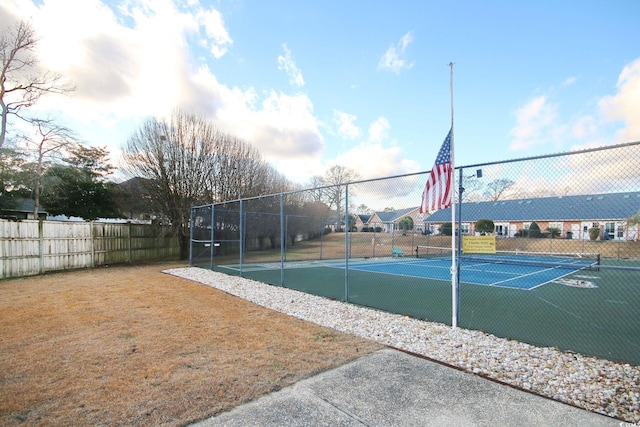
x=597 y=385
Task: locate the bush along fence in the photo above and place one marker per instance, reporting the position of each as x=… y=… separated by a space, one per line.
x=30 y=247
x=562 y=269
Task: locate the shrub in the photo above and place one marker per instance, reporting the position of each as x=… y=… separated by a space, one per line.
x=554 y=232
x=485 y=226
x=534 y=230
x=594 y=233
x=446 y=229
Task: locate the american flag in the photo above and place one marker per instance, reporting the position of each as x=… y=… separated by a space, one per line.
x=437 y=192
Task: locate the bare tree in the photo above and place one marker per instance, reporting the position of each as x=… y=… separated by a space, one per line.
x=363 y=209
x=497 y=189
x=471 y=189
x=334 y=179
x=175 y=161
x=46 y=146
x=22 y=83
x=316 y=192
x=241 y=171
x=188 y=161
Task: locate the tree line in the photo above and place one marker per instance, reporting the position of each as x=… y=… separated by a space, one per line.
x=171 y=164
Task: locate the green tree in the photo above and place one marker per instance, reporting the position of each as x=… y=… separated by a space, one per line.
x=75 y=192
x=79 y=188
x=534 y=230
x=91 y=160
x=406 y=223
x=446 y=229
x=11 y=178
x=484 y=226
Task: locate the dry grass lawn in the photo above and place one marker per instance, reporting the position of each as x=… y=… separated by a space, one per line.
x=133 y=346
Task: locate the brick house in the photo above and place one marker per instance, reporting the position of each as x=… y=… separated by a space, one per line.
x=572 y=215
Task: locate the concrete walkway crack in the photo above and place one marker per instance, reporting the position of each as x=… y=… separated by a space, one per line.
x=344 y=411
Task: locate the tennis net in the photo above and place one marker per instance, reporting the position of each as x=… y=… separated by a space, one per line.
x=571 y=261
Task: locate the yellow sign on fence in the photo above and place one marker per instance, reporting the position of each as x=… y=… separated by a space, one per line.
x=479 y=244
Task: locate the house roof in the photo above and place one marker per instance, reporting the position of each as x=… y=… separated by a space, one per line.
x=364 y=218
x=613 y=206
x=392 y=216
x=24 y=205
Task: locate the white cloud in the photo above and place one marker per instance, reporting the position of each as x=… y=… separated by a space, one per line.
x=288 y=65
x=374 y=160
x=218 y=38
x=393 y=59
x=288 y=126
x=532 y=120
x=379 y=130
x=614 y=121
x=135 y=62
x=345 y=123
x=139 y=69
x=625 y=104
x=584 y=128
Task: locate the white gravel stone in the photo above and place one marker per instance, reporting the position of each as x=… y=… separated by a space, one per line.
x=594 y=384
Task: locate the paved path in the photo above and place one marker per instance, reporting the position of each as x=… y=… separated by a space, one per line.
x=392 y=388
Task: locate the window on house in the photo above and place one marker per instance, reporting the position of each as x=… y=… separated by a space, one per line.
x=610 y=229
x=464 y=228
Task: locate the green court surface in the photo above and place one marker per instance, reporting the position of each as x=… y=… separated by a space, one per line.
x=593 y=312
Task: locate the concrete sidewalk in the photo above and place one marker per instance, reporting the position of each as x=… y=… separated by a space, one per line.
x=392 y=388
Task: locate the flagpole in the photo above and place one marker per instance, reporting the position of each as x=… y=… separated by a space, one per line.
x=454 y=269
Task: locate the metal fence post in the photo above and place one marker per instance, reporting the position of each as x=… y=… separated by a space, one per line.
x=346 y=243
x=241 y=237
x=282 y=236
x=212 y=252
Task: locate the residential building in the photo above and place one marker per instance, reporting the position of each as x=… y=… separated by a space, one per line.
x=388 y=220
x=574 y=216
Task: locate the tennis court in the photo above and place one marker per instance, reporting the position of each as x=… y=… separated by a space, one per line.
x=571 y=281
x=569 y=303
x=502 y=273
x=510 y=271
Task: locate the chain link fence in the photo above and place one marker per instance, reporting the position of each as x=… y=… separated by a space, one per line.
x=557 y=236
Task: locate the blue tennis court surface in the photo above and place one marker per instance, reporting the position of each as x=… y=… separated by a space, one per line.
x=471 y=272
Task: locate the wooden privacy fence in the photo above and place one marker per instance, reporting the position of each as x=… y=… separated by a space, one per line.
x=31 y=247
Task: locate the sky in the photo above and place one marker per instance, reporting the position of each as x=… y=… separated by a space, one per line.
x=364 y=84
